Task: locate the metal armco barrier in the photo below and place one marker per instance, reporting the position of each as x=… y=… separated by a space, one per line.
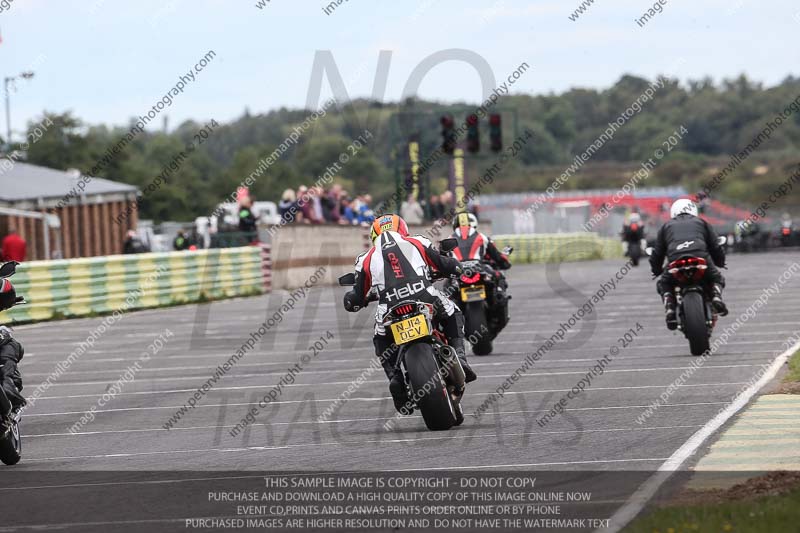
x=99 y=285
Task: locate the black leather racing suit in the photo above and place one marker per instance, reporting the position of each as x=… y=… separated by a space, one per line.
x=11 y=353
x=632 y=232
x=686 y=235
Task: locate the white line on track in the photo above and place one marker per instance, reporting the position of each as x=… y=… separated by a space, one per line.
x=636 y=503
x=377 y=399
x=529 y=375
x=350 y=444
x=499 y=360
x=345 y=421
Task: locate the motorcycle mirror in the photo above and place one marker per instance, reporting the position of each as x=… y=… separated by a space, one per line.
x=508 y=249
x=8 y=269
x=649 y=250
x=348 y=280
x=448 y=245
x=722 y=240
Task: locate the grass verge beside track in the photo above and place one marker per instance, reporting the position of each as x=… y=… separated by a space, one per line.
x=766 y=504
x=794 y=369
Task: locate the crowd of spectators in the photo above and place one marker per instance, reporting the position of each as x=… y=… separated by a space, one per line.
x=331 y=205
x=334 y=205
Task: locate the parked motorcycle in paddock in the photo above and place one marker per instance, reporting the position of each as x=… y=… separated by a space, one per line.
x=10 y=439
x=480 y=294
x=431 y=367
x=696 y=316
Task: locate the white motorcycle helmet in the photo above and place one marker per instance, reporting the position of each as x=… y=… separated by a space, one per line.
x=683 y=206
x=467 y=223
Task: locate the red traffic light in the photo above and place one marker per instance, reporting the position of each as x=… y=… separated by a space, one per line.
x=473 y=135
x=448 y=134
x=495 y=133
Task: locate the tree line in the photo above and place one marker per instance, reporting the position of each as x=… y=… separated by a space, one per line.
x=720 y=118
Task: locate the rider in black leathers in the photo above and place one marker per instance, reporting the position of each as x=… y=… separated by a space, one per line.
x=633 y=231
x=473 y=244
x=687 y=235
x=11 y=353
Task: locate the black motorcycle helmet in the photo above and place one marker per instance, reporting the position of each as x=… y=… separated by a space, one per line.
x=8 y=296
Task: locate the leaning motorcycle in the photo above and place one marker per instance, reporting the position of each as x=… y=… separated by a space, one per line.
x=10 y=439
x=475 y=293
x=432 y=371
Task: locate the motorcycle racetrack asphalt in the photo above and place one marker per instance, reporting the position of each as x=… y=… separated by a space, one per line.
x=603 y=428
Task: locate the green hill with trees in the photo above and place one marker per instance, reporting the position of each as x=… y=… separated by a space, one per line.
x=721 y=119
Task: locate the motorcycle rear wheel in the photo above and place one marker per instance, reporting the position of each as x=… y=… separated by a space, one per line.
x=635 y=253
x=428 y=388
x=694 y=323
x=476 y=328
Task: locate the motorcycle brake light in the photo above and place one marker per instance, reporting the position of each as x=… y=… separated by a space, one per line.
x=471 y=279
x=786 y=231
x=688 y=261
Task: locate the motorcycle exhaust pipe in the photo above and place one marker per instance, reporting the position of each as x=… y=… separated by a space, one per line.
x=450 y=359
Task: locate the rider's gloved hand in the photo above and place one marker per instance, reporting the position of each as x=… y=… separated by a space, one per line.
x=350 y=302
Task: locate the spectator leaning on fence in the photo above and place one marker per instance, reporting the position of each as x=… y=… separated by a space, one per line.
x=288 y=199
x=133 y=244
x=437 y=209
x=14 y=246
x=247 y=219
x=181 y=242
x=411 y=211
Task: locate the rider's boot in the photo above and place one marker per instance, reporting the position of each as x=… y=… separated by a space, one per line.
x=457 y=343
x=669 y=309
x=716 y=301
x=387 y=354
x=454 y=330
x=399 y=392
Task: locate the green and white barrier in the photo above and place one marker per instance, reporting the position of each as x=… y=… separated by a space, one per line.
x=558 y=247
x=98 y=285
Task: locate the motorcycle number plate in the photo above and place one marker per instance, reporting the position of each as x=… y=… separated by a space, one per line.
x=473 y=293
x=410 y=329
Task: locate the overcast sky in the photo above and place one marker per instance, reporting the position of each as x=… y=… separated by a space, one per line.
x=109 y=60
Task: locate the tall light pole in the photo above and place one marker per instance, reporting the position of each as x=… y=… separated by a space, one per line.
x=10 y=79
